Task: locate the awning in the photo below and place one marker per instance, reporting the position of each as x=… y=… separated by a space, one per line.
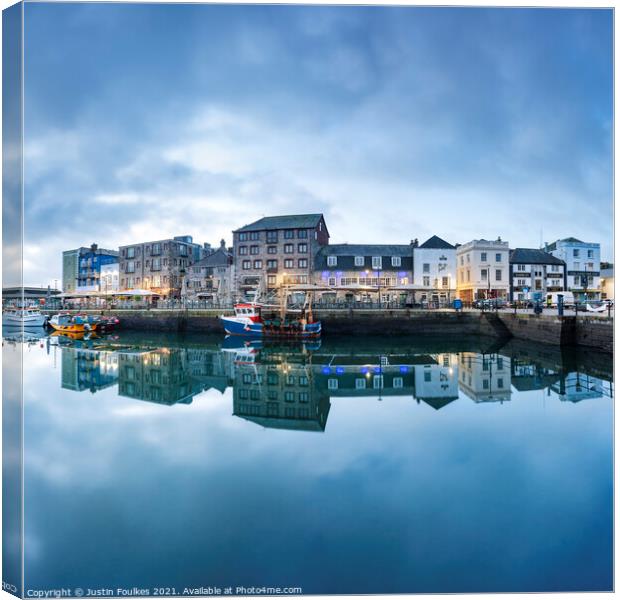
x=135 y=292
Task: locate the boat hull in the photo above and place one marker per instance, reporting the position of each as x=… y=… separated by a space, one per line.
x=27 y=321
x=234 y=326
x=73 y=328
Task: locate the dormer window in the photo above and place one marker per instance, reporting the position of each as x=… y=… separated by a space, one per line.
x=376 y=262
x=332 y=261
x=359 y=261
x=396 y=261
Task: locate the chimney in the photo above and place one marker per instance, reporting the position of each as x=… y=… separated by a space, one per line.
x=415 y=243
x=222 y=244
x=93 y=247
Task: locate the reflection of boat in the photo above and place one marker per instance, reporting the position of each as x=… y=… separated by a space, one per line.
x=27 y=334
x=22 y=317
x=249 y=321
x=69 y=324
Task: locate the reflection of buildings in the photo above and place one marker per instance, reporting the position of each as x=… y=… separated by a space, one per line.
x=280 y=394
x=485 y=377
x=527 y=375
x=160 y=376
x=88 y=369
x=579 y=386
x=437 y=383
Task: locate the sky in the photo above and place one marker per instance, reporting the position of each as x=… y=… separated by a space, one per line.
x=143 y=122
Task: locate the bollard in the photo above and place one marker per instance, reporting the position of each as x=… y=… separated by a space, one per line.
x=560 y=305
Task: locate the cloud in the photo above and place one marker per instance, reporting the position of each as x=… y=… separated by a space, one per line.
x=375 y=117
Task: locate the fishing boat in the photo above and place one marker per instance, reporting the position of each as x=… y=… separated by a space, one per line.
x=23 y=317
x=70 y=324
x=254 y=319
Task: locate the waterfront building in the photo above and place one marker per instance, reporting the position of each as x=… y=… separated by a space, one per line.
x=212 y=277
x=109 y=280
x=159 y=267
x=607 y=281
x=482 y=270
x=434 y=270
x=485 y=377
x=534 y=273
x=583 y=266
x=575 y=387
x=364 y=272
x=81 y=268
x=277 y=250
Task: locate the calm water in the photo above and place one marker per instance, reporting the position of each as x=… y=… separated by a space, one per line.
x=351 y=466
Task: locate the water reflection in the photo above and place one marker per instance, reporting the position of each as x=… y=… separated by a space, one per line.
x=292 y=386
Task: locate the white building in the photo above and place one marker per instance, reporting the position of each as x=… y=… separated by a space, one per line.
x=109 y=278
x=438 y=384
x=534 y=273
x=482 y=270
x=583 y=266
x=434 y=270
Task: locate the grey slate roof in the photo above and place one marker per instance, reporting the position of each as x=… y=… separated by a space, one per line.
x=346 y=254
x=607 y=273
x=531 y=256
x=219 y=258
x=283 y=222
x=436 y=242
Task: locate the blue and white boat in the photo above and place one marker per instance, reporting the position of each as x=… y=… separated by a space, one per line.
x=249 y=321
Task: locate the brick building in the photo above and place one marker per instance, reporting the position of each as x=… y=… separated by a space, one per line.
x=277 y=250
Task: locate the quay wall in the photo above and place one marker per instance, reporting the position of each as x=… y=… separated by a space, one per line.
x=587 y=332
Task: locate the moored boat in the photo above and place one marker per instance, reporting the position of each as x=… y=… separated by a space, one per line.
x=23 y=317
x=70 y=324
x=249 y=321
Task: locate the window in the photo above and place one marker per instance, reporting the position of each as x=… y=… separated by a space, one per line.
x=156 y=264
x=272 y=249
x=426 y=268
x=396 y=261
x=302 y=248
x=247 y=264
x=243 y=250
x=483 y=256
x=332 y=384
x=243 y=237
x=272 y=236
x=462 y=261
x=397 y=382
x=500 y=363
x=377 y=382
x=332 y=261
x=426 y=281
x=498 y=257
x=131 y=267
x=376 y=262
x=427 y=376
x=576 y=253
x=289 y=248
x=576 y=280
x=302 y=234
x=590 y=253
x=444 y=282
x=302 y=263
x=253 y=249
x=331 y=282
x=554 y=268
x=289 y=396
x=131 y=252
x=272 y=264
x=289 y=234
x=183 y=250
x=360 y=383
x=271 y=280
x=258 y=264
x=483 y=274
x=156 y=249
x=359 y=261
x=485 y=384
x=498 y=274
x=304 y=397
x=288 y=263
x=254 y=236
x=500 y=382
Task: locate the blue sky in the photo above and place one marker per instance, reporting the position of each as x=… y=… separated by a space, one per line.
x=148 y=121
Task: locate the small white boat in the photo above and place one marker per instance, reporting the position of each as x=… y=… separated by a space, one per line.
x=22 y=317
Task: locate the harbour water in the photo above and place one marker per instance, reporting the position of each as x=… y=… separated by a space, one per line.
x=345 y=466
